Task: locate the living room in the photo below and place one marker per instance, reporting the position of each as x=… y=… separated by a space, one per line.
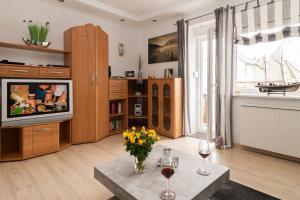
x=137 y=99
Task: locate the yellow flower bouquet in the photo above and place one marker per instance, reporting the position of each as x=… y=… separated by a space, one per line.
x=139 y=144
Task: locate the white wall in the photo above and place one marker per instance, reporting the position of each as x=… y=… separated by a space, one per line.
x=63 y=16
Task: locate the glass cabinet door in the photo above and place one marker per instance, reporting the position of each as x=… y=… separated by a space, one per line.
x=166 y=106
x=154 y=105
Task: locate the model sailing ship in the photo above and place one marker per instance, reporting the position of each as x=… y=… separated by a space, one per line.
x=286 y=82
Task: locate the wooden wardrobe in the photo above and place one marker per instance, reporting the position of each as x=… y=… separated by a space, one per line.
x=88 y=45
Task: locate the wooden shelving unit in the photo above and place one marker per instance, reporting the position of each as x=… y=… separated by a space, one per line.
x=137 y=117
x=64 y=134
x=116 y=131
x=10 y=144
x=137 y=121
x=118 y=115
x=32 y=48
x=137 y=96
x=19 y=143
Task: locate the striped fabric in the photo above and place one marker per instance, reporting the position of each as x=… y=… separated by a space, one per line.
x=262 y=21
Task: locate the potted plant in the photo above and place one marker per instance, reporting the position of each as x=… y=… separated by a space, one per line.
x=139 y=144
x=43 y=32
x=38 y=33
x=34 y=32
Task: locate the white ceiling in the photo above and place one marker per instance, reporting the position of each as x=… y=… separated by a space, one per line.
x=141 y=10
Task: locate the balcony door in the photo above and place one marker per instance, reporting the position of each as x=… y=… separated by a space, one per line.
x=203 y=82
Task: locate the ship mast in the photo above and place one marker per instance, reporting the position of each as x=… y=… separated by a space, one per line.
x=265 y=65
x=281 y=65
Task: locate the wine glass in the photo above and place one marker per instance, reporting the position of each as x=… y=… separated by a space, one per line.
x=167 y=170
x=203 y=151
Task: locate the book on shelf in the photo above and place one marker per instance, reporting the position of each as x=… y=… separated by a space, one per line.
x=115 y=125
x=115 y=108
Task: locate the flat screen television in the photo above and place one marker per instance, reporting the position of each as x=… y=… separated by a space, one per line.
x=34 y=101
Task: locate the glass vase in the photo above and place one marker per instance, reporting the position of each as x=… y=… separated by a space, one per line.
x=139 y=166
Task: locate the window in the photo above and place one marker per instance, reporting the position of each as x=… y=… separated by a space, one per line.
x=275 y=62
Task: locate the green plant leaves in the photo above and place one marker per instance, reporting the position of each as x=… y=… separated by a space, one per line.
x=38 y=33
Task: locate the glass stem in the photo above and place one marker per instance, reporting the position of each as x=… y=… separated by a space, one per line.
x=204 y=164
x=167 y=187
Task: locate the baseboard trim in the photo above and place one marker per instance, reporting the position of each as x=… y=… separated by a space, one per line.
x=269 y=153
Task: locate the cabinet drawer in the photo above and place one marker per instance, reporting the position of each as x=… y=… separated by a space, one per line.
x=3 y=71
x=117 y=83
x=44 y=139
x=120 y=89
x=22 y=71
x=117 y=95
x=54 y=72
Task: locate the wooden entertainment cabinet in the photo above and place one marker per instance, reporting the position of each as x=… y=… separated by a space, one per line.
x=18 y=143
x=160 y=100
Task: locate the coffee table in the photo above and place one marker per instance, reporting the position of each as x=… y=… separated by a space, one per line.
x=118 y=176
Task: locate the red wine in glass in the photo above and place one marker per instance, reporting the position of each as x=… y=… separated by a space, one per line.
x=167 y=172
x=204 y=153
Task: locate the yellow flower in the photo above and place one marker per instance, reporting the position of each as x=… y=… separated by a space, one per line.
x=138 y=135
x=140 y=142
x=133 y=128
x=150 y=136
x=143 y=128
x=130 y=134
x=152 y=132
x=132 y=140
x=124 y=134
x=157 y=138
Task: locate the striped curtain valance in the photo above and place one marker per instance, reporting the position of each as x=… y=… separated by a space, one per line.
x=266 y=21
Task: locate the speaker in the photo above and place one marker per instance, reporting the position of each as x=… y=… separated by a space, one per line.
x=137 y=110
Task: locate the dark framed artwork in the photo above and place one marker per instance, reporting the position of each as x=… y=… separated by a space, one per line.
x=163 y=48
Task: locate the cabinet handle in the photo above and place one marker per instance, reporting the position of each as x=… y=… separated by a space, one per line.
x=20 y=70
x=43 y=129
x=118 y=89
x=56 y=72
x=93 y=78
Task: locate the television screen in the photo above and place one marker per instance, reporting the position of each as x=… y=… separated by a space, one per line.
x=25 y=99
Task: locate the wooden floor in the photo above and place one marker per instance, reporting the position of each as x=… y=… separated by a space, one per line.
x=69 y=174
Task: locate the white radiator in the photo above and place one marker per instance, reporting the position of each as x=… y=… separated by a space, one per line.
x=275 y=129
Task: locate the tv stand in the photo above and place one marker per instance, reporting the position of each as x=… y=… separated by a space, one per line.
x=21 y=143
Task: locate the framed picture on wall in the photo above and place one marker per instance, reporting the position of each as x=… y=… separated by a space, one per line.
x=163 y=48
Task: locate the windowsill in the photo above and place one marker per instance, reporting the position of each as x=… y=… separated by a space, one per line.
x=267 y=97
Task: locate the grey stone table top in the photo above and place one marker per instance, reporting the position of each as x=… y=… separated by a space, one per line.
x=118 y=176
